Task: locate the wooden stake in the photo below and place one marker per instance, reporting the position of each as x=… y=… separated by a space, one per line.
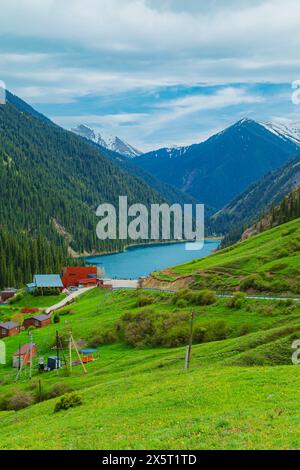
x=79 y=357
x=189 y=347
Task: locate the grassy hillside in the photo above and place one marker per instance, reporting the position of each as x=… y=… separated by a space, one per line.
x=268 y=262
x=239 y=393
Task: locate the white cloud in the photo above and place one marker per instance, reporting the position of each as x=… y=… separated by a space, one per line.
x=62 y=50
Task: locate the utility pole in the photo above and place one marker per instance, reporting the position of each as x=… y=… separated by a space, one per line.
x=70 y=351
x=57 y=351
x=30 y=356
x=189 y=347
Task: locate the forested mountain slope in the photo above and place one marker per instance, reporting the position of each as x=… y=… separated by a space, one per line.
x=288 y=209
x=51 y=182
x=257 y=200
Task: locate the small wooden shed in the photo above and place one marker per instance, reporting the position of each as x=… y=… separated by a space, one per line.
x=9 y=328
x=38 y=321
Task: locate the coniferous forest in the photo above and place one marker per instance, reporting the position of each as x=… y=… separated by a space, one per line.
x=51 y=182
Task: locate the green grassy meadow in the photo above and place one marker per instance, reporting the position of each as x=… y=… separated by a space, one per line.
x=240 y=392
x=268 y=263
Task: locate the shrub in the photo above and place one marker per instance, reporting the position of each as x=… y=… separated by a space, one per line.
x=144 y=300
x=58 y=390
x=255 y=282
x=237 y=300
x=108 y=337
x=181 y=303
x=244 y=330
x=216 y=331
x=205 y=297
x=19 y=400
x=201 y=297
x=56 y=318
x=70 y=400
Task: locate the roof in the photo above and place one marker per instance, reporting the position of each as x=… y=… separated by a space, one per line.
x=24 y=349
x=9 y=325
x=87 y=351
x=40 y=317
x=31 y=285
x=47 y=280
x=8 y=291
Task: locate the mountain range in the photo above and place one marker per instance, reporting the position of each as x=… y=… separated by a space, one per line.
x=111 y=143
x=216 y=171
x=52 y=180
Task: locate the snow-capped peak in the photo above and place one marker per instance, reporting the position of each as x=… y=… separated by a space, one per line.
x=291 y=132
x=111 y=143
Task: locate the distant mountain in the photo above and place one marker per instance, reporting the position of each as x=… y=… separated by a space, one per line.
x=111 y=143
x=287 y=133
x=257 y=200
x=216 y=171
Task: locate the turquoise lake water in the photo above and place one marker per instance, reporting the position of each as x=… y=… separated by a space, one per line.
x=141 y=261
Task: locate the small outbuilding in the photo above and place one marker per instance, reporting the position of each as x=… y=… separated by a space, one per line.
x=9 y=328
x=38 y=321
x=22 y=356
x=46 y=282
x=7 y=294
x=53 y=363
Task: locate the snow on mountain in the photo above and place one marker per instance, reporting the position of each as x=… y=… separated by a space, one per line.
x=291 y=132
x=112 y=143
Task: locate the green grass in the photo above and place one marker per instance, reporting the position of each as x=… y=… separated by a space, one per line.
x=268 y=262
x=28 y=301
x=31 y=301
x=240 y=393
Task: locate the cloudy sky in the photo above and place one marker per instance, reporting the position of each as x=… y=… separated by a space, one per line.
x=154 y=72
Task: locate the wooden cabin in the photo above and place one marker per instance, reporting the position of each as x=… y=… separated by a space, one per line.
x=9 y=328
x=38 y=321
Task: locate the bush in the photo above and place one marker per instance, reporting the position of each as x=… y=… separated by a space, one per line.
x=237 y=300
x=108 y=337
x=70 y=400
x=191 y=297
x=58 y=390
x=19 y=401
x=244 y=330
x=56 y=318
x=216 y=331
x=181 y=303
x=144 y=300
